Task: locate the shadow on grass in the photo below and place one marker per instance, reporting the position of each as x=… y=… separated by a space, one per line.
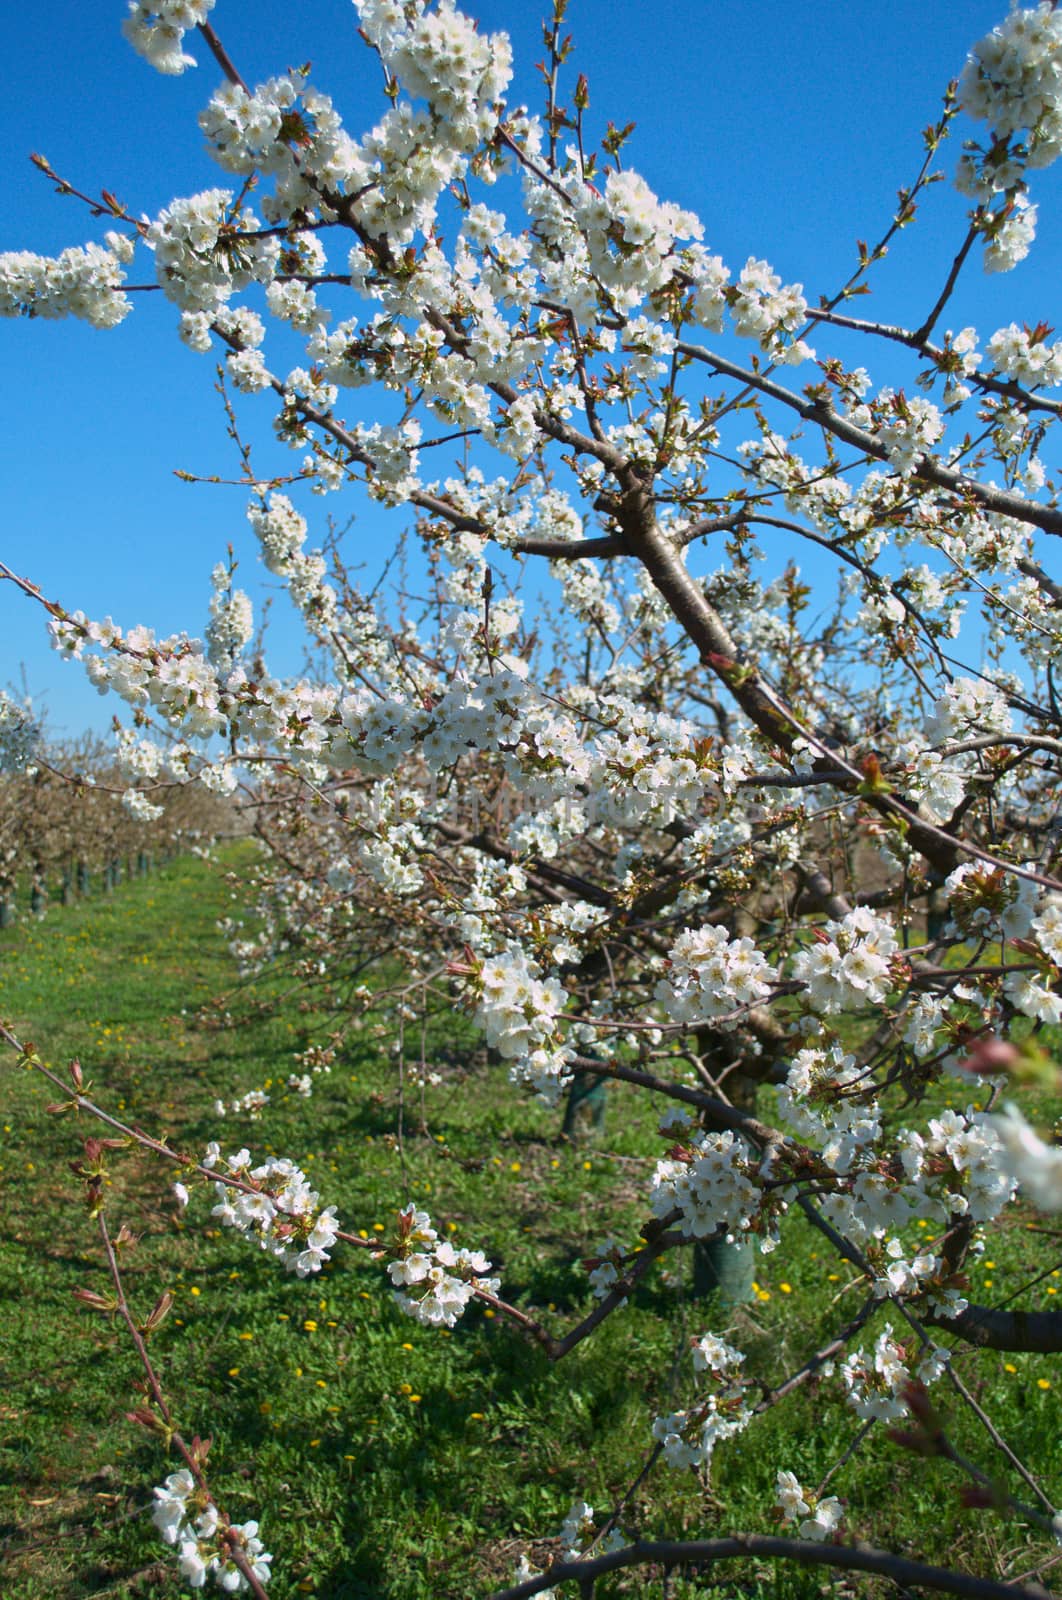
x=407 y=1471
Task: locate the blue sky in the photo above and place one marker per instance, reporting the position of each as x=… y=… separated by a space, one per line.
x=786 y=127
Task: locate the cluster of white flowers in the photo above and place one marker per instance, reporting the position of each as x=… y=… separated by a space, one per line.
x=586 y=593
x=813 y=492
x=707 y=1179
x=649 y=345
x=1026 y=1160
x=813 y=1100
x=979 y=1188
x=937 y=784
x=439 y=55
x=815 y=1519
x=903 y=1276
x=689 y=1437
x=709 y=974
x=390 y=851
x=197 y=696
x=250 y=1105
x=908 y=428
x=848 y=966
x=876 y=1385
x=243 y=130
x=1033 y=998
x=156 y=30
x=607 y=1264
x=951 y=1170
x=649 y=767
x=248 y=370
x=279 y=1209
x=569 y=923
x=1009 y=235
x=1013 y=81
x=433 y=1281
x=1026 y=355
x=188 y=1519
x=577 y=1532
x=140 y=808
x=280 y=532
x=964 y=362
x=219 y=777
x=935 y=598
x=935 y=592
x=231 y=622
x=988 y=901
x=84 y=282
x=969 y=706
x=628 y=236
x=205 y=251
x=1047 y=928
x=393 y=479
x=519 y=1010
x=137 y=758
x=765 y=310
x=20 y=735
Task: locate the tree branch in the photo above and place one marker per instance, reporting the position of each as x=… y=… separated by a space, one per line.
x=844 y=1558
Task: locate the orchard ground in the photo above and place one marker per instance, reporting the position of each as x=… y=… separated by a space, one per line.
x=384 y=1458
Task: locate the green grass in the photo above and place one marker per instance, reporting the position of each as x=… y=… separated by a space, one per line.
x=384 y=1459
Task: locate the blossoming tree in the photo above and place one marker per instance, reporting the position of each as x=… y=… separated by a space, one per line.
x=779 y=870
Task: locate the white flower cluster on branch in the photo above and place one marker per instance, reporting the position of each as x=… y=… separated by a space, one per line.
x=1013 y=81
x=84 y=282
x=849 y=964
x=519 y=1011
x=186 y=1518
x=277 y=1207
x=1026 y=1159
x=878 y=1385
x=156 y=30
x=689 y=1437
x=709 y=1181
x=815 y=1518
x=710 y=975
x=433 y=1281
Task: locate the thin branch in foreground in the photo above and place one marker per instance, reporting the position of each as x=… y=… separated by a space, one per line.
x=702 y=1553
x=192 y=1457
